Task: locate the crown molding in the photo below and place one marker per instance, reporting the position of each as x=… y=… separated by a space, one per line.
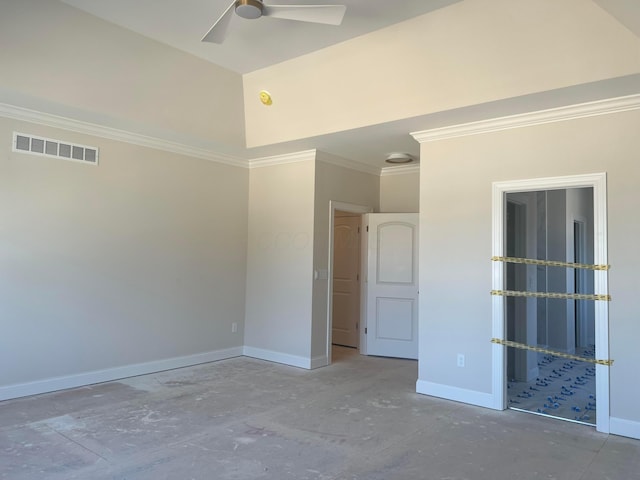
x=589 y=109
x=400 y=170
x=313 y=154
x=283 y=159
x=96 y=130
x=351 y=165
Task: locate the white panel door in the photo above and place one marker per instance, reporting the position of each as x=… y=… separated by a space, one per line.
x=392 y=285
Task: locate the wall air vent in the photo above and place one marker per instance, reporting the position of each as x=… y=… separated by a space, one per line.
x=48 y=147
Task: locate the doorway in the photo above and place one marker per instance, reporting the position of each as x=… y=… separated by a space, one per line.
x=346 y=279
x=343 y=215
x=542 y=225
x=387 y=321
x=550 y=351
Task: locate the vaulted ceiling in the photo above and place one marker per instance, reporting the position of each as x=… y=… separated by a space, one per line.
x=252 y=45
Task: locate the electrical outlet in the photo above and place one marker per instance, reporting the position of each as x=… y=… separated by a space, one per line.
x=460 y=360
x=234 y=327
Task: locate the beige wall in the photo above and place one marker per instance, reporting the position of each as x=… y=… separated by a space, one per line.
x=58 y=59
x=280 y=262
x=400 y=193
x=338 y=184
x=455 y=267
x=136 y=261
x=286 y=312
x=469 y=53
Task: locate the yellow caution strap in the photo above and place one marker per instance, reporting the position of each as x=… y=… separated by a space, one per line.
x=549 y=263
x=522 y=346
x=565 y=296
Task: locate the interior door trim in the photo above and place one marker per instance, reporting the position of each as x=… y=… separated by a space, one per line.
x=597 y=181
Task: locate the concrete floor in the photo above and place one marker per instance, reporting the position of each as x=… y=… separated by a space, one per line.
x=247 y=419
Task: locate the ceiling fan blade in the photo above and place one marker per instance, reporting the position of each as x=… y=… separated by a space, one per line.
x=327 y=14
x=218 y=31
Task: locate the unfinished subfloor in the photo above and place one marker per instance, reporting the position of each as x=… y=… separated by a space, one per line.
x=248 y=419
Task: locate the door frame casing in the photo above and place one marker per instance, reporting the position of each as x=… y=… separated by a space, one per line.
x=597 y=181
x=351 y=208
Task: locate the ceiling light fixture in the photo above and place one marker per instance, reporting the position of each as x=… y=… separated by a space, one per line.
x=399 y=158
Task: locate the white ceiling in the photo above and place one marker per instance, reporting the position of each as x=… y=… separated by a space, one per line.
x=250 y=44
x=254 y=44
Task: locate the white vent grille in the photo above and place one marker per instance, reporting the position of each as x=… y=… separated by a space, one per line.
x=48 y=147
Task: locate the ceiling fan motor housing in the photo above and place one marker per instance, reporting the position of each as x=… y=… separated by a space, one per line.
x=249 y=9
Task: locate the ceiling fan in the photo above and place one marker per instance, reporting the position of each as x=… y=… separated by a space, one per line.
x=251 y=9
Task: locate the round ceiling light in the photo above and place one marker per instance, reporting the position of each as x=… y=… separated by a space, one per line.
x=399 y=158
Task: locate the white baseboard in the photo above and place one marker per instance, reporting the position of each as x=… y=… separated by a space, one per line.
x=626 y=428
x=448 y=392
x=110 y=374
x=278 y=357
